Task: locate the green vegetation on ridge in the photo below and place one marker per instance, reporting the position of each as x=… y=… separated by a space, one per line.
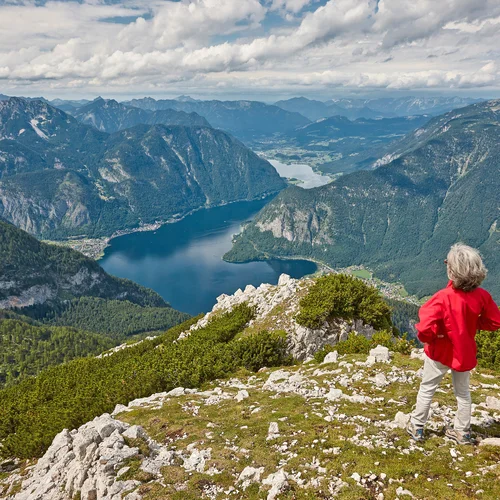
x=68 y=395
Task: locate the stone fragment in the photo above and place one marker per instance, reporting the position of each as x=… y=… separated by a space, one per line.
x=380 y=380
x=278 y=482
x=381 y=354
x=334 y=394
x=135 y=432
x=331 y=357
x=178 y=391
x=242 y=394
x=250 y=475
x=273 y=431
x=492 y=441
x=400 y=491
x=492 y=403
x=417 y=354
x=196 y=461
x=401 y=419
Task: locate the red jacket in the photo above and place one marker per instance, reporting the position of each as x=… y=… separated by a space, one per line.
x=449 y=321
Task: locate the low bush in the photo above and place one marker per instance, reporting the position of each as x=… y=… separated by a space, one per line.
x=342 y=296
x=68 y=395
x=488 y=350
x=359 y=344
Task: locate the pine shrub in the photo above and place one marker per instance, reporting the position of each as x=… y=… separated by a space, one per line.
x=342 y=296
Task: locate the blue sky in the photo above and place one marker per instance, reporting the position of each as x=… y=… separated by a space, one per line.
x=249 y=48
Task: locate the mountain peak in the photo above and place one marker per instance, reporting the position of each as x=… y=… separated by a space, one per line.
x=185 y=98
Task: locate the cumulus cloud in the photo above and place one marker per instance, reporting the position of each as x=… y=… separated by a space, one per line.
x=224 y=43
x=294 y=6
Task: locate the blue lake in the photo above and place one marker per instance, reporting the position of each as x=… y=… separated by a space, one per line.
x=183 y=261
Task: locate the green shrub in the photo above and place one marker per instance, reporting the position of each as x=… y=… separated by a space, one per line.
x=342 y=296
x=354 y=344
x=260 y=348
x=68 y=395
x=488 y=350
x=359 y=344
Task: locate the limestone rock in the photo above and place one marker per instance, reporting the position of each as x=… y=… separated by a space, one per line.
x=401 y=419
x=490 y=442
x=278 y=482
x=250 y=475
x=273 y=431
x=492 y=403
x=331 y=357
x=242 y=394
x=381 y=354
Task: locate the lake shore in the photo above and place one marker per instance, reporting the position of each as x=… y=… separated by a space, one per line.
x=94 y=247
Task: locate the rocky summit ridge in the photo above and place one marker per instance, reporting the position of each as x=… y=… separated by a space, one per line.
x=309 y=431
x=329 y=429
x=276 y=308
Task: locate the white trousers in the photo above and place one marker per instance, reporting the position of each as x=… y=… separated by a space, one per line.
x=432 y=376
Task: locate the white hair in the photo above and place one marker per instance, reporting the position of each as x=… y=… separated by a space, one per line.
x=465 y=267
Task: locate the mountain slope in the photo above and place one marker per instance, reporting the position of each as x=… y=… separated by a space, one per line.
x=61 y=178
x=197 y=417
x=111 y=116
x=38 y=273
x=401 y=218
x=246 y=120
x=28 y=349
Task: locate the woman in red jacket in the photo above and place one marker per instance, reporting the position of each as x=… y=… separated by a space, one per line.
x=448 y=324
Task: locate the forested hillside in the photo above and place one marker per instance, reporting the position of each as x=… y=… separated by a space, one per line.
x=65 y=306
x=399 y=219
x=117 y=319
x=37 y=273
x=28 y=349
x=61 y=178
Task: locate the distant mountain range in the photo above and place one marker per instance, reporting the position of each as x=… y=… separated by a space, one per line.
x=340 y=127
x=354 y=144
x=374 y=108
x=60 y=178
x=246 y=120
x=439 y=185
x=111 y=116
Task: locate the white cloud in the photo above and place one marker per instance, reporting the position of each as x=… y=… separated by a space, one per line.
x=294 y=6
x=401 y=44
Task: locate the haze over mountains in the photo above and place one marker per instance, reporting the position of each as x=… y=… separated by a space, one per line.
x=111 y=116
x=385 y=107
x=440 y=185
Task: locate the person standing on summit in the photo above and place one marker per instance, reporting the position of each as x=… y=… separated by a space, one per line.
x=448 y=325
